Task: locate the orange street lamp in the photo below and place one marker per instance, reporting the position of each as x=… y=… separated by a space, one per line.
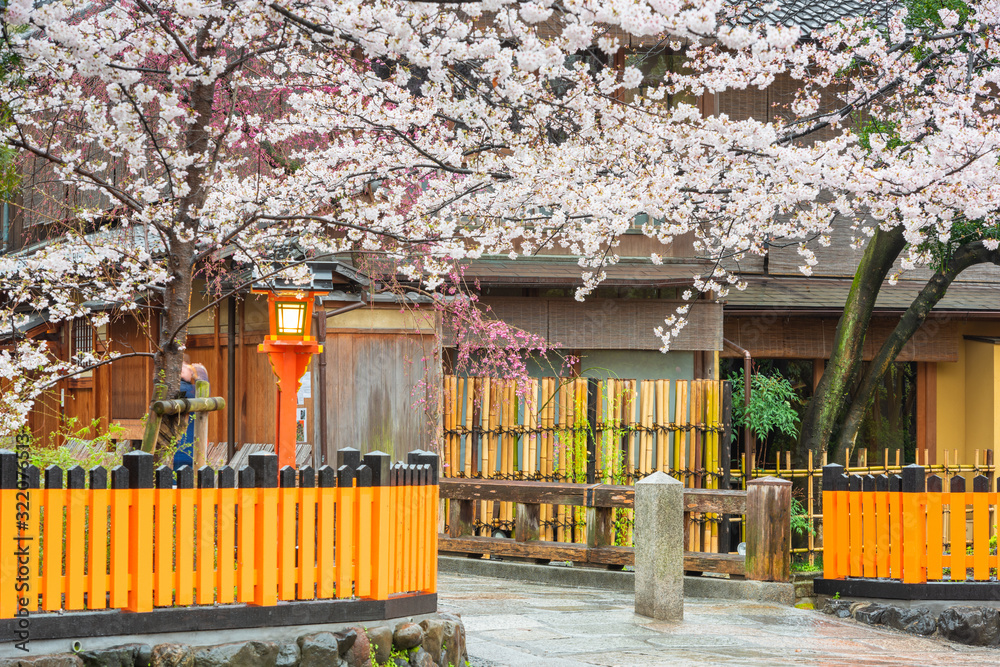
x=289 y=350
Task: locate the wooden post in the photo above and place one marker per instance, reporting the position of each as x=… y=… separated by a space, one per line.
x=601 y=529
x=461 y=520
x=200 y=427
x=768 y=529
x=153 y=420
x=526 y=522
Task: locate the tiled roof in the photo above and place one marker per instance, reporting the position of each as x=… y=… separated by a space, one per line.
x=813 y=15
x=561 y=273
x=807 y=293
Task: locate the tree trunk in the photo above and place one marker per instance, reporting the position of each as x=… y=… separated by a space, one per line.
x=169 y=358
x=831 y=395
x=964 y=257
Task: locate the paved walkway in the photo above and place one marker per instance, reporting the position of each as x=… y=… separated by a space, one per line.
x=510 y=623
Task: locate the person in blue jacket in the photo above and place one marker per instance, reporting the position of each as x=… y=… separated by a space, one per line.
x=185 y=446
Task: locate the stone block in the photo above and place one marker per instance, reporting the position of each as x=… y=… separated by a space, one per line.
x=433 y=636
x=129 y=655
x=970 y=625
x=381 y=638
x=407 y=636
x=838 y=608
x=359 y=655
x=288 y=655
x=872 y=613
x=321 y=649
x=659 y=547
x=172 y=655
x=918 y=621
x=55 y=660
x=238 y=654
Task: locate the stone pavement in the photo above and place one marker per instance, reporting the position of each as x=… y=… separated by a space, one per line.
x=523 y=624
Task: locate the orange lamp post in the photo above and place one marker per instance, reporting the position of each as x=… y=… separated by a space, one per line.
x=289 y=350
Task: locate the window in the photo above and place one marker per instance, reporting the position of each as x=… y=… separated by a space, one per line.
x=82 y=343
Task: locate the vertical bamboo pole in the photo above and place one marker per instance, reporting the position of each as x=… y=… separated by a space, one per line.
x=629 y=412
x=657 y=392
x=562 y=447
x=469 y=386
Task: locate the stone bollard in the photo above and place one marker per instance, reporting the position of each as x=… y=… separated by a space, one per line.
x=659 y=547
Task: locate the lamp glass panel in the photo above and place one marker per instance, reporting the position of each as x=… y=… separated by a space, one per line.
x=291 y=318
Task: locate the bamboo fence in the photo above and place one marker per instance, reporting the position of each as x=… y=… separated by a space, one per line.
x=892 y=463
x=613 y=431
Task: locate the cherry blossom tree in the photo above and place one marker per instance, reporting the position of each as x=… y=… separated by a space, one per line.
x=428 y=134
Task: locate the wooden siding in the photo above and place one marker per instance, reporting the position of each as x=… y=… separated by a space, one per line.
x=377 y=386
x=770 y=336
x=607 y=324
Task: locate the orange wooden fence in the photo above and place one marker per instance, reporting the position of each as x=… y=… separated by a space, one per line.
x=153 y=539
x=901 y=527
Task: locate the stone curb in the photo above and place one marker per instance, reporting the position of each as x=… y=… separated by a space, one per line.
x=977 y=626
x=583 y=577
x=438 y=640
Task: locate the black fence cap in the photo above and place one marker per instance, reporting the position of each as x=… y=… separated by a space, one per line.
x=348 y=456
x=327 y=477
x=265 y=469
x=868 y=483
x=98 y=477
x=8 y=469
x=363 y=476
x=831 y=471
x=286 y=477
x=206 y=478
x=345 y=476
x=163 y=478
x=307 y=477
x=53 y=477
x=140 y=469
x=380 y=465
x=247 y=478
x=119 y=477
x=913 y=479
x=956 y=484
x=980 y=484
x=227 y=478
x=185 y=477
x=882 y=483
x=895 y=483
x=76 y=478
x=935 y=484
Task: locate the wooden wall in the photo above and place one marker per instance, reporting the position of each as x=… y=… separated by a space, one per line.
x=377 y=388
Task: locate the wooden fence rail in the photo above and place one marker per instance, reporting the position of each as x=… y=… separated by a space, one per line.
x=581 y=430
x=766 y=505
x=908 y=528
x=151 y=538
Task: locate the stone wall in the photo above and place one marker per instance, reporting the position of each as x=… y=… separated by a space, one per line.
x=979 y=626
x=433 y=642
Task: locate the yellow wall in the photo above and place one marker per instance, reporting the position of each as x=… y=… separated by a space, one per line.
x=968 y=397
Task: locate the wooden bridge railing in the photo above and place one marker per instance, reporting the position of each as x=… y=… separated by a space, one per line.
x=766 y=505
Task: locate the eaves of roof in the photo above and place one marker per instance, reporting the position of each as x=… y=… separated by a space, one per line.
x=807 y=294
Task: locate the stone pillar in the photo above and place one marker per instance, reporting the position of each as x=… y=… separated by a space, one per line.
x=659 y=547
